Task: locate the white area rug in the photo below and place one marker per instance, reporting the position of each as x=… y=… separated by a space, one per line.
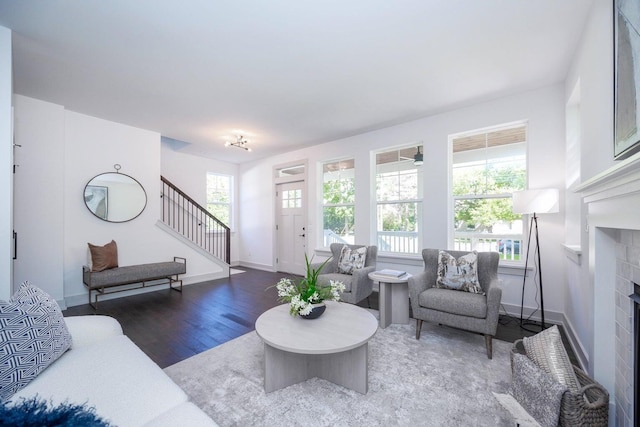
x=444 y=379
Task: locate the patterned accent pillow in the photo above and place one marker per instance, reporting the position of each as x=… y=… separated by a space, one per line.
x=535 y=390
x=547 y=351
x=351 y=259
x=458 y=274
x=33 y=335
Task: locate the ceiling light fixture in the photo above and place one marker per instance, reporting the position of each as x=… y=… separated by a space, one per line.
x=417 y=159
x=240 y=143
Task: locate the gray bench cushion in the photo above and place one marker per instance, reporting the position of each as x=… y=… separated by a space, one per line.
x=456 y=302
x=134 y=273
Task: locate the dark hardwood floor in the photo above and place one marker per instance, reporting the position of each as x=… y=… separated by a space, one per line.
x=170 y=326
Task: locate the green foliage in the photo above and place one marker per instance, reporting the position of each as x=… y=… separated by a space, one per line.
x=339 y=219
x=337 y=191
x=302 y=295
x=480 y=214
x=398 y=216
x=308 y=285
x=221 y=212
x=395 y=192
x=219 y=196
x=494 y=179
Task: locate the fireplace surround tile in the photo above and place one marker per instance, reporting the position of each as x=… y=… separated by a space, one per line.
x=633 y=255
x=623 y=269
x=627 y=272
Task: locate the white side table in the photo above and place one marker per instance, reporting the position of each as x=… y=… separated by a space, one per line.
x=394 y=298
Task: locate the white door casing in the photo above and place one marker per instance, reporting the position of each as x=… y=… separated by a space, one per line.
x=291 y=233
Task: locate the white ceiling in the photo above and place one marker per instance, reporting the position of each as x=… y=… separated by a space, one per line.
x=283 y=73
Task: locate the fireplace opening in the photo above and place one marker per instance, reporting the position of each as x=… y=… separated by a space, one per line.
x=636 y=351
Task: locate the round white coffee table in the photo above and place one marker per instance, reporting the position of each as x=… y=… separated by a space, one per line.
x=333 y=347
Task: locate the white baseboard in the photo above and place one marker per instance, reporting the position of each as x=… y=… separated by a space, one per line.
x=263 y=267
x=555 y=318
x=199 y=278
x=576 y=345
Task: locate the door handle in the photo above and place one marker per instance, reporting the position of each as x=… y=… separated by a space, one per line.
x=15 y=245
x=301 y=235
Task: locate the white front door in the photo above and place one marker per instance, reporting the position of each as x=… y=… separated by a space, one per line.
x=291 y=227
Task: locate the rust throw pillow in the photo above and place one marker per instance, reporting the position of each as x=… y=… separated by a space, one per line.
x=104 y=257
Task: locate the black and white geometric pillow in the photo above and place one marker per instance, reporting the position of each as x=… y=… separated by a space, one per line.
x=33 y=335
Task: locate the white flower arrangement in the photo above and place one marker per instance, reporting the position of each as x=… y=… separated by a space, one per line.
x=304 y=294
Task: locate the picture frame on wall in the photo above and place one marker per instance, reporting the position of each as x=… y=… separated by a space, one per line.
x=626 y=25
x=96 y=197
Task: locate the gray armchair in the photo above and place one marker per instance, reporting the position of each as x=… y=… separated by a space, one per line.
x=358 y=286
x=464 y=310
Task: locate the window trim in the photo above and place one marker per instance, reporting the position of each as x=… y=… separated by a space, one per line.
x=231 y=203
x=419 y=201
x=517 y=264
x=322 y=205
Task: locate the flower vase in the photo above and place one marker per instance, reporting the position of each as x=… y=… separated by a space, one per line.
x=316 y=311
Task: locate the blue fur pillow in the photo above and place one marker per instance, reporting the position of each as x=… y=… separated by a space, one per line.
x=35 y=413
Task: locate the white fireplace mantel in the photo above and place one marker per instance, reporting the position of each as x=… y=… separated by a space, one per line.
x=620 y=180
x=613 y=200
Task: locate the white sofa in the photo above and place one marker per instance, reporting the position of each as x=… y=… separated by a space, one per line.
x=106 y=370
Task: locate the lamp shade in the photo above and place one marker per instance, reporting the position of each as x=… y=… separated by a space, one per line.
x=536 y=201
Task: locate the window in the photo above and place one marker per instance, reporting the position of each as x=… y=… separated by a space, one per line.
x=290 y=171
x=338 y=202
x=291 y=199
x=488 y=166
x=219 y=196
x=398 y=201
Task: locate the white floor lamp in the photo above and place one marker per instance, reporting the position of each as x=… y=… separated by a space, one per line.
x=534 y=202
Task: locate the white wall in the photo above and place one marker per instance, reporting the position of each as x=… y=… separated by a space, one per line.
x=85 y=147
x=592 y=77
x=6 y=160
x=189 y=173
x=257 y=213
x=544 y=110
x=39 y=194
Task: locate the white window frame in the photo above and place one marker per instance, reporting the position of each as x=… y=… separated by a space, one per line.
x=489 y=241
x=414 y=240
x=229 y=205
x=323 y=205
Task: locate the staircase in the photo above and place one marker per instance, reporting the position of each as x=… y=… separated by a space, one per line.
x=186 y=217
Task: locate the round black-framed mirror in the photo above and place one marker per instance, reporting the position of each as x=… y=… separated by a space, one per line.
x=115 y=196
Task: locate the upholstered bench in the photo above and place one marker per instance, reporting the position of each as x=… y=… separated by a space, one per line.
x=133 y=277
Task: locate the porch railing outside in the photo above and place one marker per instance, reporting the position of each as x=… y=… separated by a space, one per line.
x=332 y=237
x=509 y=246
x=398 y=242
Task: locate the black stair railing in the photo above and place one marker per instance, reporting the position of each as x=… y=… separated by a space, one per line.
x=185 y=216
